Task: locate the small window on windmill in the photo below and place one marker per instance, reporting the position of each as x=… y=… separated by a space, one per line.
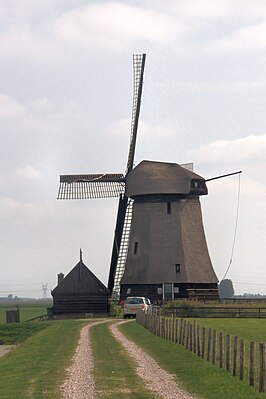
x=195 y=183
x=128 y=291
x=136 y=246
x=177 y=267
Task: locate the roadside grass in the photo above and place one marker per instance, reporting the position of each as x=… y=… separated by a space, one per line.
x=114 y=372
x=194 y=374
x=12 y=334
x=36 y=369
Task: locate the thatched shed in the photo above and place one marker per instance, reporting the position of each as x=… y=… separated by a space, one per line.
x=80 y=293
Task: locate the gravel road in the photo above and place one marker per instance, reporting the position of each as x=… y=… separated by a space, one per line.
x=156 y=379
x=80 y=384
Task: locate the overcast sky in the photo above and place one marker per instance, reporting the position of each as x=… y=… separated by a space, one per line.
x=65 y=107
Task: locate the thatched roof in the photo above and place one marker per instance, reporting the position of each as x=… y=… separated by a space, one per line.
x=150 y=177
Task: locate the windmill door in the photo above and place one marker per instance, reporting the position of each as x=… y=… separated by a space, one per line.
x=168 y=291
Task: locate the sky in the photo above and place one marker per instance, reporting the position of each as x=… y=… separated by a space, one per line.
x=65 y=107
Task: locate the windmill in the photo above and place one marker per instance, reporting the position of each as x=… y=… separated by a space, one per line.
x=159 y=247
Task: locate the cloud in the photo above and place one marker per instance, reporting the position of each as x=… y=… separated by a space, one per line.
x=10 y=108
x=251 y=148
x=221 y=86
x=212 y=8
x=11 y=208
x=247 y=38
x=26 y=172
x=116 y=25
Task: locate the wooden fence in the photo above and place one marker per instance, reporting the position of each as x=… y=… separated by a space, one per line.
x=215 y=311
x=247 y=360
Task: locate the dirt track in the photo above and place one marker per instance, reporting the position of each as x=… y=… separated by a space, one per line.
x=80 y=383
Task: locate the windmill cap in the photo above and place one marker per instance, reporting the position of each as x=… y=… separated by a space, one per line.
x=151 y=177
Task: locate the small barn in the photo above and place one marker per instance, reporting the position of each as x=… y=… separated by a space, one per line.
x=80 y=293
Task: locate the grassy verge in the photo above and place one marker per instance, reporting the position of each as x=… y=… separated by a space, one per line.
x=12 y=334
x=115 y=374
x=193 y=373
x=36 y=368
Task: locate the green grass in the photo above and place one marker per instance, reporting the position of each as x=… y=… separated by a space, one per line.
x=249 y=329
x=36 y=369
x=115 y=374
x=196 y=375
x=12 y=334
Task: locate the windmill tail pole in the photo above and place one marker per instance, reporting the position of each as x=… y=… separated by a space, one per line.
x=219 y=177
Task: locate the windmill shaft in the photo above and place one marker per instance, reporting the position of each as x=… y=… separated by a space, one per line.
x=220 y=177
x=139 y=64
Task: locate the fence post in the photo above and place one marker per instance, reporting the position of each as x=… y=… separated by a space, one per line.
x=242 y=359
x=214 y=347
x=187 y=335
x=198 y=339
x=190 y=337
x=184 y=332
x=180 y=331
x=173 y=330
x=203 y=342
x=194 y=336
x=235 y=355
x=209 y=344
x=252 y=363
x=228 y=351
x=221 y=352
x=176 y=330
x=262 y=367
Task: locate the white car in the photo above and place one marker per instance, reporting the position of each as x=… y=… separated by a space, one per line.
x=133 y=304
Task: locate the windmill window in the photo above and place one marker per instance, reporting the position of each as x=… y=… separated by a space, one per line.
x=177 y=267
x=169 y=210
x=195 y=184
x=136 y=247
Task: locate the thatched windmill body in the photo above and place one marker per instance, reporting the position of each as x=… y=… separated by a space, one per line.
x=159 y=248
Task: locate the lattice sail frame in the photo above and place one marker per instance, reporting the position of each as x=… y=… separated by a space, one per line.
x=123 y=250
x=138 y=72
x=90 y=186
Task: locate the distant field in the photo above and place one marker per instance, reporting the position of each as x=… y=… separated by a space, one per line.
x=249 y=329
x=27 y=310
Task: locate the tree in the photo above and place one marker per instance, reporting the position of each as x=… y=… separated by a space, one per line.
x=226 y=289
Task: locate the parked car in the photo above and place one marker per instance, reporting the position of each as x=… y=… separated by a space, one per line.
x=133 y=303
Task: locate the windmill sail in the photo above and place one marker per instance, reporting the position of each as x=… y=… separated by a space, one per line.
x=90 y=186
x=120 y=245
x=138 y=67
x=123 y=224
